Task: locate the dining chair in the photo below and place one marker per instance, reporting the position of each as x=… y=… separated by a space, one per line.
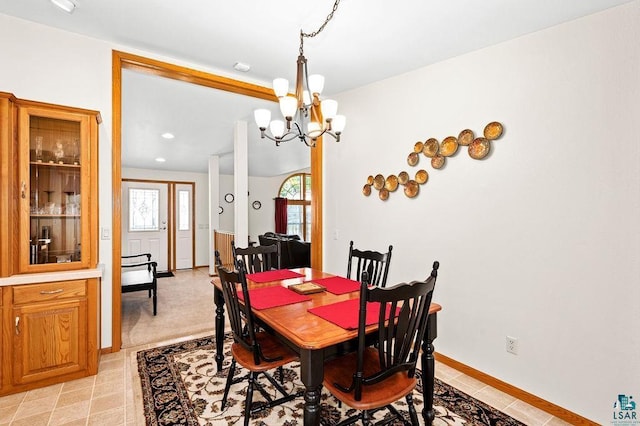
x=218 y=259
x=258 y=258
x=375 y=263
x=256 y=351
x=376 y=376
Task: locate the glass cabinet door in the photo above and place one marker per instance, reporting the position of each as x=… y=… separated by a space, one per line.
x=55 y=182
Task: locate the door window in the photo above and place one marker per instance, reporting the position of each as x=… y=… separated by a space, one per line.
x=143 y=209
x=184 y=205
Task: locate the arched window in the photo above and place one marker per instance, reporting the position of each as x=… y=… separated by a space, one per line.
x=297 y=190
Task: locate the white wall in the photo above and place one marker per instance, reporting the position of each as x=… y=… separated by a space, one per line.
x=539 y=241
x=201 y=195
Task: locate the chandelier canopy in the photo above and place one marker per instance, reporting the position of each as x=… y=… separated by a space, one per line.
x=300 y=112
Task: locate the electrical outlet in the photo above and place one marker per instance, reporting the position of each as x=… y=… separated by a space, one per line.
x=512 y=345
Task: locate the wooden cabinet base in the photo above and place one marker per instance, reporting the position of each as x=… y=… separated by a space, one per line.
x=50 y=333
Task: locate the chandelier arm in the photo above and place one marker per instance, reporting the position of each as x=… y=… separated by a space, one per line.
x=284 y=138
x=302 y=136
x=289 y=136
x=300 y=132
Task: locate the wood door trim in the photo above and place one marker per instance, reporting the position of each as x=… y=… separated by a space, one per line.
x=123 y=60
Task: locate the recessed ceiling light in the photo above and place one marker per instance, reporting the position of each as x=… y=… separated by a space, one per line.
x=66 y=5
x=160 y=160
x=239 y=66
x=168 y=135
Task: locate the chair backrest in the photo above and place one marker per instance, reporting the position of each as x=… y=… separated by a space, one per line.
x=398 y=340
x=257 y=259
x=240 y=317
x=218 y=259
x=374 y=263
x=273 y=239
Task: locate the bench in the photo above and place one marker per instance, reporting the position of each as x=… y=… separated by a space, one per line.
x=140 y=279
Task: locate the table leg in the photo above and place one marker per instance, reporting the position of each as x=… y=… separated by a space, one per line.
x=218 y=299
x=428 y=369
x=312 y=373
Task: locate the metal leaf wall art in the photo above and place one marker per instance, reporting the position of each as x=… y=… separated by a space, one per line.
x=438 y=153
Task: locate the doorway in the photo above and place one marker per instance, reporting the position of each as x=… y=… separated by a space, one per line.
x=145 y=212
x=158 y=218
x=122 y=60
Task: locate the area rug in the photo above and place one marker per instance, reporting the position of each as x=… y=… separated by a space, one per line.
x=181 y=386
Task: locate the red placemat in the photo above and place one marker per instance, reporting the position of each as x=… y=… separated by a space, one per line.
x=275 y=275
x=338 y=285
x=345 y=314
x=270 y=297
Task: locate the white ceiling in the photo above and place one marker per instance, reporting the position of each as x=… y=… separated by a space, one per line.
x=368 y=40
x=202 y=120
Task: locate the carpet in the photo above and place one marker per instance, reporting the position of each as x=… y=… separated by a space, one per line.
x=180 y=386
x=185 y=308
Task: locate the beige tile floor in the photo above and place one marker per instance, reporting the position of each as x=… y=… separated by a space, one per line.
x=112 y=397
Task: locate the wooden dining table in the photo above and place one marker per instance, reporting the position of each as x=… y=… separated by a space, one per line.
x=316 y=339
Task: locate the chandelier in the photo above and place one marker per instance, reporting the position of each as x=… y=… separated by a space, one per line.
x=300 y=112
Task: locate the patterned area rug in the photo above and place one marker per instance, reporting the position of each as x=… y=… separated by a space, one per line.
x=180 y=386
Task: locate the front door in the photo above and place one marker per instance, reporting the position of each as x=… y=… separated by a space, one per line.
x=144 y=220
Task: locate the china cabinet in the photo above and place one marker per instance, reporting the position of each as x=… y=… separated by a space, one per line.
x=49 y=280
x=56 y=151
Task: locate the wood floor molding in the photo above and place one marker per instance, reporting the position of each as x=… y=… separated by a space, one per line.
x=524 y=396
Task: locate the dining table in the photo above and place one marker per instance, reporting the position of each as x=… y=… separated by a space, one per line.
x=314 y=338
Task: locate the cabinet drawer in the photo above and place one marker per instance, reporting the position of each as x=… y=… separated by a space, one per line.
x=49 y=291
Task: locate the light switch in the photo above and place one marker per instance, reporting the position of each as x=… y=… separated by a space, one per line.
x=105 y=233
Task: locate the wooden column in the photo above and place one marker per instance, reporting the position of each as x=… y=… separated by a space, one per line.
x=316 y=196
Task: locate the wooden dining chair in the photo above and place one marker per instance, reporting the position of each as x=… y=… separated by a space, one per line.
x=375 y=263
x=218 y=259
x=257 y=259
x=256 y=351
x=376 y=376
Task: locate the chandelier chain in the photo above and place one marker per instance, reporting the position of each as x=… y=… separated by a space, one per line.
x=319 y=30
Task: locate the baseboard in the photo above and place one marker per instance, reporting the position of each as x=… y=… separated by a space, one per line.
x=106 y=350
x=555 y=410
